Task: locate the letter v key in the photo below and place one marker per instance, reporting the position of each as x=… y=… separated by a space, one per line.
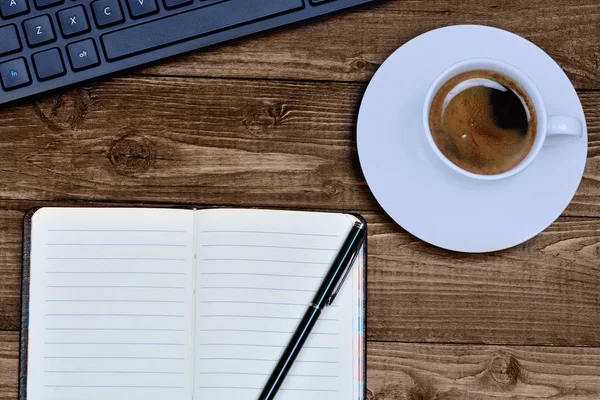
x=141 y=8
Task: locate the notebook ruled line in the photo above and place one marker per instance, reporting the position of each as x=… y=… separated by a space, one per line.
x=115 y=344
x=260 y=246
x=255 y=288
x=265 y=331
x=266 y=261
x=259 y=316
x=266 y=360
x=114 y=273
x=113 y=358
x=273 y=233
x=258 y=388
x=252 y=302
x=266 y=374
x=117 y=315
x=113 y=287
x=118 y=230
x=258 y=302
x=266 y=345
x=114 y=386
x=260 y=274
x=117 y=329
x=141 y=265
x=117 y=372
x=112 y=301
x=117 y=258
x=118 y=244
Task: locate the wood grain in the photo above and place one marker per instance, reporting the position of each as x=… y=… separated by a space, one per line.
x=208 y=141
x=399 y=371
x=546 y=291
x=9 y=365
x=350 y=46
x=11 y=245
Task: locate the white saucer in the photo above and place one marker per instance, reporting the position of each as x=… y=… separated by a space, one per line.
x=427 y=198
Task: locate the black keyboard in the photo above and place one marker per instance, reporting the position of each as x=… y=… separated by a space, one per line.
x=49 y=44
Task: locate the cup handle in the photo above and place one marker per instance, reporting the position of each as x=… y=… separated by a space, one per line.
x=563 y=129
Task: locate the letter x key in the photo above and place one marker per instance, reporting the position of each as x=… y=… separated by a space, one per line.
x=73 y=21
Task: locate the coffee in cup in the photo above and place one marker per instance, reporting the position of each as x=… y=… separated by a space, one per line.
x=483 y=121
x=487 y=120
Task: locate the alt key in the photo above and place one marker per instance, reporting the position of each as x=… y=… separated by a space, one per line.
x=83 y=54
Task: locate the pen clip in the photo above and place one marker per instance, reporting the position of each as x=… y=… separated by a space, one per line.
x=346 y=273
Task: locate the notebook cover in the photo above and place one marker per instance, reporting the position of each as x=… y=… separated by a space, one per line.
x=25 y=304
x=23 y=342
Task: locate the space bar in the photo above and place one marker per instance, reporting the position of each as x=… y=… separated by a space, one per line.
x=190 y=24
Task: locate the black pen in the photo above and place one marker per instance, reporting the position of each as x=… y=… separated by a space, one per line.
x=332 y=283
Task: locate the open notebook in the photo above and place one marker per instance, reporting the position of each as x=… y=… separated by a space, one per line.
x=184 y=304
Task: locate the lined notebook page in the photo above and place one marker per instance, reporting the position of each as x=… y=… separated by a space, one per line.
x=256 y=273
x=110 y=304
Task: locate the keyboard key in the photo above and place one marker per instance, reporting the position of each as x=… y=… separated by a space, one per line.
x=83 y=54
x=142 y=8
x=9 y=40
x=107 y=12
x=47 y=3
x=39 y=30
x=48 y=64
x=176 y=3
x=12 y=8
x=73 y=21
x=14 y=74
x=193 y=23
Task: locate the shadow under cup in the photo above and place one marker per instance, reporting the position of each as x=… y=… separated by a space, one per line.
x=504 y=76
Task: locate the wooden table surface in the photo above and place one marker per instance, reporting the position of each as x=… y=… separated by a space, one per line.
x=270 y=121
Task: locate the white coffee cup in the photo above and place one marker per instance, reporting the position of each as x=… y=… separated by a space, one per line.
x=550 y=129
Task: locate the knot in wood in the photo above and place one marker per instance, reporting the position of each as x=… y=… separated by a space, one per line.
x=131 y=155
x=264 y=115
x=361 y=65
x=64 y=111
x=331 y=189
x=505 y=369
